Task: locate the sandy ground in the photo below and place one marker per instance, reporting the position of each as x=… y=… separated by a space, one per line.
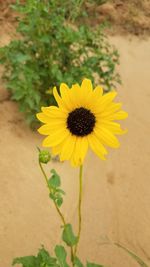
x=123 y=16
x=116 y=193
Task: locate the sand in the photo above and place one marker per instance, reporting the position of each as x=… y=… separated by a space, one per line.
x=116 y=193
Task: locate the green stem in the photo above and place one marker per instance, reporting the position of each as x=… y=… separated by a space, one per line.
x=79 y=208
x=58 y=210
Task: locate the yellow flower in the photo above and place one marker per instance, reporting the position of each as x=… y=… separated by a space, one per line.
x=83 y=118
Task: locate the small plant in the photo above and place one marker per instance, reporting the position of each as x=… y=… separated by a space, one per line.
x=52 y=49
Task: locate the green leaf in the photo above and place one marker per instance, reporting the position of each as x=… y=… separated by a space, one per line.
x=45 y=39
x=60 y=191
x=54 y=181
x=133 y=255
x=89 y=264
x=59 y=201
x=18 y=95
x=52 y=196
x=44 y=258
x=19 y=58
x=28 y=261
x=56 y=192
x=68 y=236
x=61 y=256
x=30 y=102
x=78 y=263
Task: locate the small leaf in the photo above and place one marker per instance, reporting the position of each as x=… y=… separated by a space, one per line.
x=60 y=191
x=54 y=181
x=45 y=259
x=68 y=236
x=28 y=261
x=42 y=259
x=61 y=256
x=18 y=95
x=45 y=39
x=77 y=262
x=59 y=201
x=52 y=196
x=21 y=58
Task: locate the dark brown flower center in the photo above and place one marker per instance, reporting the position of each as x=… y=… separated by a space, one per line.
x=81 y=121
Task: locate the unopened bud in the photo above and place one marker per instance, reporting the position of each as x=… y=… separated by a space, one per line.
x=44 y=156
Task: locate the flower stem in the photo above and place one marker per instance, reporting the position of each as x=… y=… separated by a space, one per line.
x=58 y=210
x=79 y=208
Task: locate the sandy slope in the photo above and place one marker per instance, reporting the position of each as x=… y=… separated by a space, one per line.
x=116 y=192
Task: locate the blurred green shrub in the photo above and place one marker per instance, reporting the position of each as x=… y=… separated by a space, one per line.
x=98 y=2
x=51 y=50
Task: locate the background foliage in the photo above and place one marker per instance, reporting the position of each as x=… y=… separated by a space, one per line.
x=44 y=259
x=52 y=49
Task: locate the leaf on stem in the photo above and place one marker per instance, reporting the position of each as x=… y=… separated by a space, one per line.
x=44 y=258
x=78 y=263
x=56 y=192
x=61 y=255
x=28 y=261
x=68 y=236
x=54 y=181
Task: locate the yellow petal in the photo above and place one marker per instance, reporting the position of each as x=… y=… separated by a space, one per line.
x=80 y=150
x=68 y=147
x=58 y=99
x=76 y=95
x=52 y=117
x=47 y=129
x=55 y=138
x=97 y=146
x=43 y=118
x=65 y=94
x=107 y=137
x=111 y=126
x=63 y=86
x=98 y=91
x=106 y=100
x=44 y=129
x=54 y=112
x=101 y=104
x=120 y=115
x=86 y=86
x=94 y=98
x=57 y=96
x=83 y=147
x=56 y=150
x=111 y=109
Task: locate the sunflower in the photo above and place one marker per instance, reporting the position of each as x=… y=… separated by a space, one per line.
x=83 y=118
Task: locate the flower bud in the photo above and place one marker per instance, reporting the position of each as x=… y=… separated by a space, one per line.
x=44 y=156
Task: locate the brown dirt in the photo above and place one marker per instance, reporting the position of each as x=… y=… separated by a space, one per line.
x=6 y=13
x=123 y=16
x=115 y=193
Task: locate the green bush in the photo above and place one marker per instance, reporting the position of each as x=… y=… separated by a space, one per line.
x=98 y=2
x=51 y=50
